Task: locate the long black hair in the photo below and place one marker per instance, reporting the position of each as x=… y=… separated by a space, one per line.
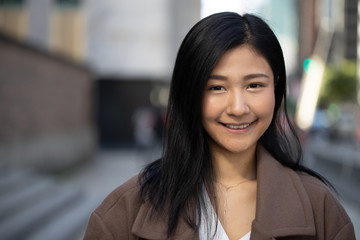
x=175 y=181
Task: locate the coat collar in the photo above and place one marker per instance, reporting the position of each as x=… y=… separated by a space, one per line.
x=279 y=192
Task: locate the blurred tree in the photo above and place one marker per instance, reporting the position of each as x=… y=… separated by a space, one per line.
x=340 y=84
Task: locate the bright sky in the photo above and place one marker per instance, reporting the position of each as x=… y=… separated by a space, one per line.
x=213 y=6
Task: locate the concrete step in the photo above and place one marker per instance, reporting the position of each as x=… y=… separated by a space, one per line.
x=29 y=203
x=74 y=219
x=15 y=201
x=13 y=180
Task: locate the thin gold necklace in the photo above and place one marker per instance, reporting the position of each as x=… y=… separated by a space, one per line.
x=232 y=186
x=225 y=195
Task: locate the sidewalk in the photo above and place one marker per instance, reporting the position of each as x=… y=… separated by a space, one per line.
x=340 y=164
x=108 y=170
x=41 y=206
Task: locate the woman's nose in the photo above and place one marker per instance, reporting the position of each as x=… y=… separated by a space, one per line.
x=237 y=104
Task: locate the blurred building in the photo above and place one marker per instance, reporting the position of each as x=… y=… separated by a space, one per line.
x=56 y=26
x=75 y=70
x=132 y=47
x=334 y=21
x=328 y=35
x=46 y=93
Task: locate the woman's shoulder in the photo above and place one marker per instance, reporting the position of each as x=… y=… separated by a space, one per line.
x=313 y=183
x=125 y=195
x=317 y=188
x=322 y=197
x=329 y=214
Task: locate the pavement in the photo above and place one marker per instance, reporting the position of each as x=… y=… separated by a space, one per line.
x=339 y=163
x=40 y=206
x=105 y=172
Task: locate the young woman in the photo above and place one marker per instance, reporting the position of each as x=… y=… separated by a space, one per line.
x=229 y=169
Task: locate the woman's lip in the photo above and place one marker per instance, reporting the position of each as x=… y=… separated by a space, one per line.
x=237 y=126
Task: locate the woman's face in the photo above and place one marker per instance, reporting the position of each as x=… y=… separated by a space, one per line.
x=238 y=101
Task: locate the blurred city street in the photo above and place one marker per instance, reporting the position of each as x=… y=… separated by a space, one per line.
x=34 y=205
x=339 y=163
x=84 y=89
x=107 y=171
x=90 y=182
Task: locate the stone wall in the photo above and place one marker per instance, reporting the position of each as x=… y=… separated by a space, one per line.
x=46 y=109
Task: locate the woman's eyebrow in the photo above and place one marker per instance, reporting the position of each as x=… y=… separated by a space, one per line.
x=255 y=75
x=217 y=77
x=247 y=77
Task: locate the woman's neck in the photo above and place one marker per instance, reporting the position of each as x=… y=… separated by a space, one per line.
x=232 y=168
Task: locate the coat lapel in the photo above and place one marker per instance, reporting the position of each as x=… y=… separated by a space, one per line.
x=283 y=207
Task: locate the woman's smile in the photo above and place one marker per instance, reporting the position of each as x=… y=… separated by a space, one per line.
x=238 y=128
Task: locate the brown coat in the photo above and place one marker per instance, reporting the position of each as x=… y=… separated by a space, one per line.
x=289 y=204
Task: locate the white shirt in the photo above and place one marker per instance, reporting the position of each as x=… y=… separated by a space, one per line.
x=208 y=223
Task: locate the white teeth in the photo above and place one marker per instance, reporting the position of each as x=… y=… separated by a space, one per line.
x=237 y=126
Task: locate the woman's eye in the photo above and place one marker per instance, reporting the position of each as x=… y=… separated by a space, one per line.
x=217 y=88
x=254 y=85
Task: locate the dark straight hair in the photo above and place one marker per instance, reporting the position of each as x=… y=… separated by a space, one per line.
x=175 y=181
